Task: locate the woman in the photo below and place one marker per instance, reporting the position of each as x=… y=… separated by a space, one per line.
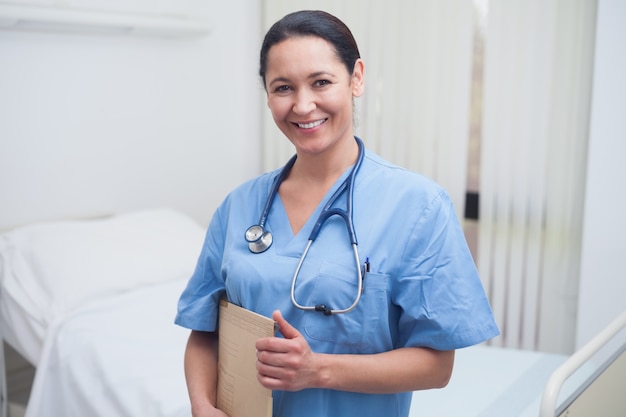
x=421 y=297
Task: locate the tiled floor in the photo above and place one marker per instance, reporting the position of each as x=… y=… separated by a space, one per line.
x=16 y=410
x=19 y=376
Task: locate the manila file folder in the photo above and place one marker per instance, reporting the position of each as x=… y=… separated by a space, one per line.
x=239 y=393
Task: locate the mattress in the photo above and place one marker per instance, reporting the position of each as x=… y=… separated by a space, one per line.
x=492 y=382
x=120 y=356
x=48 y=270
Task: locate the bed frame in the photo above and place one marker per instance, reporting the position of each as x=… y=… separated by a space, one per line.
x=601 y=393
x=3 y=385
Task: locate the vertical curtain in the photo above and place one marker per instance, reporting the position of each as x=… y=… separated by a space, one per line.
x=537 y=86
x=418 y=61
x=536 y=95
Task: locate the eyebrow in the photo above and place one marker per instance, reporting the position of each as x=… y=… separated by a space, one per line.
x=312 y=75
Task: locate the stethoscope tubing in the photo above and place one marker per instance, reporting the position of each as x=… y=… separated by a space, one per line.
x=259 y=239
x=274 y=190
x=322 y=307
x=346 y=214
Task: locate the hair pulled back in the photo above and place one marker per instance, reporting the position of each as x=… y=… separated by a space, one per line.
x=312 y=23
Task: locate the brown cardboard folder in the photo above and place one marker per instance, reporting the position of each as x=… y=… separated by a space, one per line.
x=239 y=393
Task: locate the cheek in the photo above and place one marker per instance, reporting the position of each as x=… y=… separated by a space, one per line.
x=279 y=108
x=339 y=103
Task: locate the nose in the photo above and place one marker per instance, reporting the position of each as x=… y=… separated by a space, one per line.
x=304 y=102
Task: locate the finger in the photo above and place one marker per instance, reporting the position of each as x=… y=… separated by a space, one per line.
x=270 y=382
x=286 y=329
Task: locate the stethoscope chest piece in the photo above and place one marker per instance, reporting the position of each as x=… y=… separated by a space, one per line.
x=259 y=239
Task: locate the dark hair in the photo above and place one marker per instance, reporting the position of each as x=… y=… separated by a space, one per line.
x=312 y=23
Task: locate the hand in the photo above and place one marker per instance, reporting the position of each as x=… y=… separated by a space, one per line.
x=207 y=410
x=286 y=364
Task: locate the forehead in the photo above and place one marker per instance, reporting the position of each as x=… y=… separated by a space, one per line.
x=301 y=51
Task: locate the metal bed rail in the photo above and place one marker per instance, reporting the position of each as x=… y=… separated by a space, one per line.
x=548 y=407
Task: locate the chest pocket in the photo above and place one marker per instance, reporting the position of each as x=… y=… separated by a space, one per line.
x=360 y=330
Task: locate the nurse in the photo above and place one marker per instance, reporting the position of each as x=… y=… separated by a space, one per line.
x=421 y=297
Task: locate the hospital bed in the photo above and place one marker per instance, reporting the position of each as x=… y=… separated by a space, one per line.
x=91 y=303
x=497 y=382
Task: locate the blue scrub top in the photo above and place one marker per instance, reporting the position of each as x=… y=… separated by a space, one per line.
x=422 y=288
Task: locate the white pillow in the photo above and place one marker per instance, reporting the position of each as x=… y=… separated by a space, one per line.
x=50 y=269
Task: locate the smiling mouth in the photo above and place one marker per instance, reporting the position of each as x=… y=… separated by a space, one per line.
x=311 y=125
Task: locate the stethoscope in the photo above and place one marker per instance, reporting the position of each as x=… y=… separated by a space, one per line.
x=259 y=239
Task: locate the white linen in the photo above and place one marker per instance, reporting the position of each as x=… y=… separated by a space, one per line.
x=495 y=382
x=123 y=357
x=120 y=356
x=49 y=269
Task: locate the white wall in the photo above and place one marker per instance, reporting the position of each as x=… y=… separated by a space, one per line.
x=603 y=264
x=113 y=123
x=109 y=123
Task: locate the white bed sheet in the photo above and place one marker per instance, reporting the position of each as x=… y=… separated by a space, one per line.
x=123 y=357
x=50 y=269
x=495 y=382
x=120 y=356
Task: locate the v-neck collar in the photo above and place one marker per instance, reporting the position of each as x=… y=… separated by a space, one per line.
x=285 y=242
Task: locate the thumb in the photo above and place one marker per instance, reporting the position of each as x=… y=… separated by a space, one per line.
x=286 y=329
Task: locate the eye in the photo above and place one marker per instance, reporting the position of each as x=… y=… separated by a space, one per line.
x=321 y=83
x=282 y=89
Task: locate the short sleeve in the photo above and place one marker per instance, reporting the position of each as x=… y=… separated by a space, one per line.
x=199 y=303
x=442 y=300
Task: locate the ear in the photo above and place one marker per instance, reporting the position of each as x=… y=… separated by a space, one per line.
x=358 y=78
x=267 y=93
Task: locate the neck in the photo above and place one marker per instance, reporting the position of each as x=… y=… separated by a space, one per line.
x=327 y=166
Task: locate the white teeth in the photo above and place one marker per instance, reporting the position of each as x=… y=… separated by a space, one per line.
x=311 y=125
